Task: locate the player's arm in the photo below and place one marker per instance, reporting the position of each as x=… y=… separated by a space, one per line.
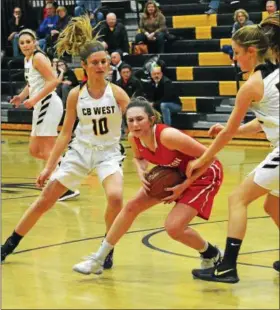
x=140 y=163
x=251 y=91
x=42 y=64
x=24 y=93
x=174 y=139
x=121 y=97
x=253 y=126
x=66 y=131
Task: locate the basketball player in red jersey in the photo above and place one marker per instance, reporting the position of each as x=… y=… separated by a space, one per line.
x=165 y=146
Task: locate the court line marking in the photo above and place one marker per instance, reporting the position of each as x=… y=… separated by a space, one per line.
x=159 y=230
x=146 y=242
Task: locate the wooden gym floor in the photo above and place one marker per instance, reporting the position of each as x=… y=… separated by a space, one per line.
x=151 y=271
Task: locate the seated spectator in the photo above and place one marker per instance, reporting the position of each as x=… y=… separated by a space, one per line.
x=271 y=7
x=91 y=7
x=113 y=35
x=152 y=27
x=68 y=82
x=162 y=94
x=45 y=12
x=47 y=25
x=129 y=83
x=241 y=19
x=16 y=24
x=116 y=62
x=63 y=20
x=54 y=65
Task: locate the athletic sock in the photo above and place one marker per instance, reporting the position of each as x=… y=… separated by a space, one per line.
x=210 y=251
x=12 y=242
x=104 y=250
x=229 y=261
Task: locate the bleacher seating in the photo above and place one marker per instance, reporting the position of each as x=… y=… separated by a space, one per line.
x=203 y=76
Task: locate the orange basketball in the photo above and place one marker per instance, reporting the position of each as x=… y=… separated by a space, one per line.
x=163 y=177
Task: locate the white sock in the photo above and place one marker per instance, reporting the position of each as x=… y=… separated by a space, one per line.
x=204 y=248
x=104 y=250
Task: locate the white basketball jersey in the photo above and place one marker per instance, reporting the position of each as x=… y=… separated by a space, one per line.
x=267 y=110
x=99 y=119
x=33 y=77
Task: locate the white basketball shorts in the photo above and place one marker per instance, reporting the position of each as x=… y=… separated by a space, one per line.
x=80 y=161
x=267 y=172
x=47 y=115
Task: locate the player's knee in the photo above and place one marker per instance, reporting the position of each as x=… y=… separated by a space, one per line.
x=115 y=199
x=172 y=229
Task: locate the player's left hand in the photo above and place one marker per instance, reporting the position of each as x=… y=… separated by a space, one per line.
x=177 y=192
x=29 y=103
x=193 y=165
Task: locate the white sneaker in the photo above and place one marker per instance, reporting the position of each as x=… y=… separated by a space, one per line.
x=211 y=262
x=90 y=265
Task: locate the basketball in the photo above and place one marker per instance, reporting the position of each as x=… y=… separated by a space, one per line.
x=162 y=177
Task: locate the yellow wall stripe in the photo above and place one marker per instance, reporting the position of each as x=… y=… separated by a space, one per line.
x=188 y=103
x=203 y=32
x=194 y=20
x=184 y=73
x=214 y=59
x=228 y=88
x=79 y=72
x=225 y=42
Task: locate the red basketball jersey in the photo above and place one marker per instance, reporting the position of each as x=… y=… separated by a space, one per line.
x=162 y=155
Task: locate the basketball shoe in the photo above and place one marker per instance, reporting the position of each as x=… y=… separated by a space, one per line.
x=276 y=265
x=108 y=263
x=69 y=194
x=211 y=262
x=90 y=265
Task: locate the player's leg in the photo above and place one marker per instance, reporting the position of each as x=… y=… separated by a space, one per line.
x=271 y=207
x=119 y=227
x=239 y=200
x=41 y=147
x=177 y=228
x=43 y=203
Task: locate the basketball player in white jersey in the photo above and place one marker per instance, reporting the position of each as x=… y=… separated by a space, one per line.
x=260 y=94
x=40 y=90
x=99 y=106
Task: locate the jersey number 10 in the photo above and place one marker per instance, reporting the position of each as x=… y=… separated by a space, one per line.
x=100 y=126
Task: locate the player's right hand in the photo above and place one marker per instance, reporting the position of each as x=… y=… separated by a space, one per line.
x=145 y=183
x=44 y=175
x=16 y=101
x=215 y=129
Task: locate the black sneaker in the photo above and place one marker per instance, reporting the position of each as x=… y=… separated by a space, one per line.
x=7 y=249
x=276 y=265
x=108 y=263
x=69 y=194
x=213 y=275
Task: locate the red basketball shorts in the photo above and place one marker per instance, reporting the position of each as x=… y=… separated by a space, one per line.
x=200 y=195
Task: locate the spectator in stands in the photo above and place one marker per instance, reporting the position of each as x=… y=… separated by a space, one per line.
x=54 y=65
x=69 y=81
x=113 y=35
x=116 y=62
x=47 y=25
x=213 y=6
x=16 y=24
x=45 y=11
x=162 y=94
x=131 y=85
x=128 y=82
x=63 y=20
x=85 y=6
x=241 y=19
x=271 y=7
x=152 y=27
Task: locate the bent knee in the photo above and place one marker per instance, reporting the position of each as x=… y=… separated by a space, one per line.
x=115 y=199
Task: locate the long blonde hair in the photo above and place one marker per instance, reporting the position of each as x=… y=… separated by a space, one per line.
x=77 y=39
